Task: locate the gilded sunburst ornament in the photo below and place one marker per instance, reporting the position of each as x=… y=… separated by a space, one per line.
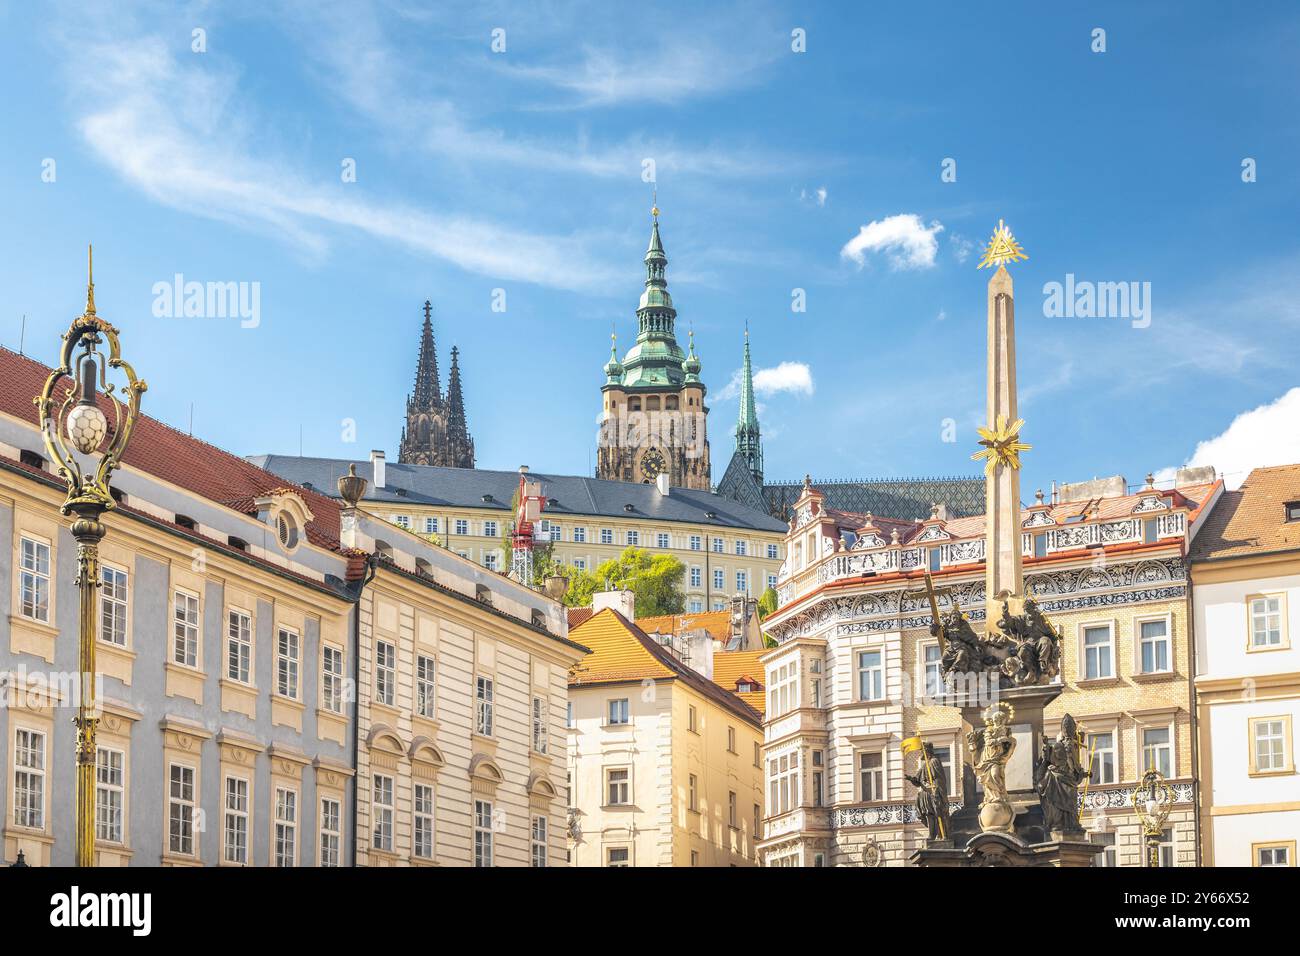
x=1002 y=445
x=1002 y=248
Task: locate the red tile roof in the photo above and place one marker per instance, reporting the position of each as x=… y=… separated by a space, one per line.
x=1253 y=519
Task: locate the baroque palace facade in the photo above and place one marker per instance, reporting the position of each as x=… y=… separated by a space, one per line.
x=856 y=669
x=286 y=680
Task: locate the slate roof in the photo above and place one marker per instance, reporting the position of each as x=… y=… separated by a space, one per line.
x=1252 y=519
x=903 y=498
x=571 y=495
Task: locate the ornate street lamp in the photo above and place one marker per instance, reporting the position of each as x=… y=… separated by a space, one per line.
x=1152 y=799
x=74 y=427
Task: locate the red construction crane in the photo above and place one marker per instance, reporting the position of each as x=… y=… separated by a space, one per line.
x=527 y=511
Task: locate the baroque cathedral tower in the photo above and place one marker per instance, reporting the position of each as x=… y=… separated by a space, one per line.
x=435 y=432
x=653 y=417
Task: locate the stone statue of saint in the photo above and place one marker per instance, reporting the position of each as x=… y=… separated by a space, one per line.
x=1060 y=772
x=931 y=784
x=991 y=747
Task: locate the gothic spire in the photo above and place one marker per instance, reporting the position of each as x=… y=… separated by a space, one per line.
x=748 y=438
x=428 y=389
x=457 y=429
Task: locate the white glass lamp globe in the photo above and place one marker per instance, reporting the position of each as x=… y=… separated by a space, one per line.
x=86 y=427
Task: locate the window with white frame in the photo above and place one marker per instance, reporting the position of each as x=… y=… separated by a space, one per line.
x=818 y=775
x=1108 y=857
x=29 y=779
x=402 y=521
x=719 y=579
x=539 y=840
x=633 y=538
x=720 y=604
x=483 y=694
x=235 y=821
x=1098 y=652
x=871 y=776
x=871 y=675
x=426 y=687
x=692 y=723
x=482 y=833
x=731 y=739
x=385 y=673
x=773 y=552
x=550 y=531
x=618 y=787
x=1265 y=621
x=783 y=689
x=717 y=546
x=606 y=535
x=382 y=834
x=180 y=809
x=783 y=783
x=815 y=686
x=697 y=543
x=461 y=526
x=112 y=606
x=580 y=564
x=330 y=817
x=1153 y=645
x=733 y=810
x=331 y=685
x=742 y=582
x=697 y=577
x=579 y=535
x=568 y=714
x=34 y=580
x=239 y=647
x=1102 y=758
x=287 y=659
x=110 y=770
x=771 y=581
x=489 y=529
x=1278 y=854
x=662 y=540
x=540 y=732
x=422 y=822
x=742 y=548
x=932 y=660
x=491 y=560
x=696 y=606
x=430 y=525
x=185 y=629
x=1269 y=740
x=1157 y=751
x=617 y=856
x=286 y=827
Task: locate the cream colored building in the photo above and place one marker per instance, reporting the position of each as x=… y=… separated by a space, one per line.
x=729 y=549
x=1246 y=593
x=856 y=667
x=664 y=763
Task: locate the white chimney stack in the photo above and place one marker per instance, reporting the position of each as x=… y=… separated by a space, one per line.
x=377 y=466
x=622 y=601
x=661 y=482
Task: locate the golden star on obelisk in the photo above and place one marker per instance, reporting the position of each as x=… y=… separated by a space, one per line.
x=1002 y=445
x=1002 y=248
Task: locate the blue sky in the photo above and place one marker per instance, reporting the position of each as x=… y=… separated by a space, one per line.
x=522 y=170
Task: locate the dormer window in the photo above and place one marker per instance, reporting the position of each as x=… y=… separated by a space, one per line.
x=239 y=544
x=31 y=459
x=287 y=529
x=1293 y=511
x=185 y=521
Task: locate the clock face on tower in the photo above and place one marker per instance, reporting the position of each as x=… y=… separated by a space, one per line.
x=652 y=463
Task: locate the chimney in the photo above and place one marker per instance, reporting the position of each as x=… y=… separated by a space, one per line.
x=661 y=482
x=622 y=601
x=377 y=466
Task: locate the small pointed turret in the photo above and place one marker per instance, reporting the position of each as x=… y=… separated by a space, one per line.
x=460 y=446
x=749 y=442
x=692 y=364
x=613 y=368
x=428 y=388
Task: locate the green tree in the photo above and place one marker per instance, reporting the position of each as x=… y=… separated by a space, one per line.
x=654 y=579
x=767 y=603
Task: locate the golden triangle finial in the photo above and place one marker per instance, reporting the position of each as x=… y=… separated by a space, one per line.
x=90 y=280
x=1001 y=248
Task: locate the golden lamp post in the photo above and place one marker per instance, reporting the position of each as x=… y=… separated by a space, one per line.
x=74 y=427
x=1152 y=799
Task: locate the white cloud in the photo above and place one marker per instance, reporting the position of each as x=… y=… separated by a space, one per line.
x=961 y=247
x=793 y=377
x=904 y=239
x=1264 y=436
x=817 y=195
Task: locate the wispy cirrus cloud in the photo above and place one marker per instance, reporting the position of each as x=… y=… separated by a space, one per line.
x=906 y=241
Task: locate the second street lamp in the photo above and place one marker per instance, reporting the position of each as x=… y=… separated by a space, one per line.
x=74 y=427
x=1152 y=799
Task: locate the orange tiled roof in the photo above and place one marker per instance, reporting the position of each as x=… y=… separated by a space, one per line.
x=717 y=623
x=1252 y=519
x=621 y=652
x=577 y=615
x=729 y=667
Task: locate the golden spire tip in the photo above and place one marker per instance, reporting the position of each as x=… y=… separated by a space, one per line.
x=90 y=280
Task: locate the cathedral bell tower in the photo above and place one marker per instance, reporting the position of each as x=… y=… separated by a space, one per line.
x=653 y=417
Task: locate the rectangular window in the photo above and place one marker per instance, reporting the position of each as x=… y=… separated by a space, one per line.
x=783 y=690
x=539 y=840
x=816 y=687
x=783 y=783
x=482 y=833
x=758 y=754
x=871 y=675
x=1106 y=857
x=1040 y=545
x=430 y=525
x=1266 y=621
x=733 y=814
x=945 y=760
x=331 y=678
x=461 y=526
x=1166 y=850
x=235 y=821
x=568 y=714
x=109 y=789
x=731 y=740
x=402 y=521
x=422 y=822
x=771 y=581
x=489 y=529
x=180 y=809
x=286 y=663
x=773 y=552
x=1156 y=751
x=382 y=837
x=483 y=694
x=112 y=606
x=385 y=673
x=617 y=790
x=633 y=538
x=1154 y=641
x=662 y=540
x=580 y=535
x=1279 y=855
x=742 y=548
x=691 y=723
x=719 y=579
x=606 y=535
x=1097 y=652
x=34 y=580
x=185 y=629
x=617 y=856
x=936 y=559
x=871 y=776
x=696 y=605
x=933 y=658
x=697 y=543
x=239 y=647
x=1101 y=753
x=29 y=779
x=717 y=546
x=491 y=560
x=540 y=734
x=286 y=827
x=697 y=577
x=580 y=564
x=1269 y=744
x=692 y=792
x=426 y=688
x=330 y=815
x=742 y=582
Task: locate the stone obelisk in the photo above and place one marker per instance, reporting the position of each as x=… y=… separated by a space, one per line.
x=1002 y=566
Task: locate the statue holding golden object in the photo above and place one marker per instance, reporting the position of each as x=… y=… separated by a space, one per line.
x=991 y=747
x=74 y=427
